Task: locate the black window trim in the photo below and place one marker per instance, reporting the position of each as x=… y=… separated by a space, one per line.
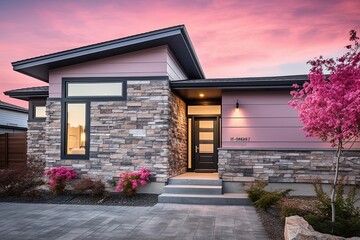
x=64 y=130
x=66 y=81
x=32 y=105
x=87 y=100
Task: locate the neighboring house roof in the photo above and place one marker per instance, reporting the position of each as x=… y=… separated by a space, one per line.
x=175 y=37
x=12 y=107
x=27 y=93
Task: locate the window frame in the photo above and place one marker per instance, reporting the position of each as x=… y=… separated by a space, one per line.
x=64 y=132
x=87 y=100
x=66 y=82
x=32 y=105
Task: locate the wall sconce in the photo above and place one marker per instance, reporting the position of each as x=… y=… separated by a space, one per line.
x=237 y=106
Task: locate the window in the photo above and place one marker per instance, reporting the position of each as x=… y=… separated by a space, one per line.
x=204 y=110
x=100 y=89
x=78 y=93
x=37 y=110
x=76 y=128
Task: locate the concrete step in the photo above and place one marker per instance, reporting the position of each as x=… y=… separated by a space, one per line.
x=203 y=182
x=193 y=189
x=225 y=199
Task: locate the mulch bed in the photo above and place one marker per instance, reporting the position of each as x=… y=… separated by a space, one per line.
x=110 y=199
x=272 y=223
x=271 y=219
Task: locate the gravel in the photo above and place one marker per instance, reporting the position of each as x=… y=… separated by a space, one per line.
x=113 y=199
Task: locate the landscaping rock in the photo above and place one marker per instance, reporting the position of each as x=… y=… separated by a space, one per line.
x=297 y=228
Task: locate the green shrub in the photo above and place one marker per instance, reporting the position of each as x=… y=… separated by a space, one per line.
x=256 y=190
x=347 y=221
x=88 y=186
x=268 y=200
x=264 y=199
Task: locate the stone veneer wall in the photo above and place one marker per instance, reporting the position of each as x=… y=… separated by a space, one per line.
x=292 y=166
x=53 y=135
x=177 y=136
x=36 y=141
x=128 y=135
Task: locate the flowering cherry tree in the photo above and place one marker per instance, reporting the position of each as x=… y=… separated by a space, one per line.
x=329 y=104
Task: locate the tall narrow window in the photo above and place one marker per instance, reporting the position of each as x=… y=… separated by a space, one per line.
x=76 y=129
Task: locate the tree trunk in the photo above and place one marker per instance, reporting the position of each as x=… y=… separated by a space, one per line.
x=338 y=156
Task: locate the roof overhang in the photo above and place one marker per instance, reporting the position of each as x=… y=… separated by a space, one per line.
x=176 y=38
x=212 y=89
x=29 y=93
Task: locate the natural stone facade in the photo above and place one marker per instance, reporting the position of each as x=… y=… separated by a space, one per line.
x=294 y=166
x=53 y=134
x=128 y=135
x=177 y=136
x=36 y=141
x=149 y=129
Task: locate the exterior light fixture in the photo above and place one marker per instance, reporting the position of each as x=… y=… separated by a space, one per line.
x=202 y=95
x=237 y=106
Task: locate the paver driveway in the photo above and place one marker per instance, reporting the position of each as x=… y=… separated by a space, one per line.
x=162 y=221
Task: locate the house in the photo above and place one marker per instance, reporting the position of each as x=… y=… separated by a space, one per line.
x=13 y=119
x=144 y=101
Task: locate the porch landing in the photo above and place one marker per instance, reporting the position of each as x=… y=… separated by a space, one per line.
x=193 y=175
x=200 y=188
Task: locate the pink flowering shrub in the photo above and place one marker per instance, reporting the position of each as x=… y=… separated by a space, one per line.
x=58 y=178
x=129 y=182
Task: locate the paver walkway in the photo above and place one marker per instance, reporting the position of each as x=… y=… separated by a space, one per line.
x=162 y=221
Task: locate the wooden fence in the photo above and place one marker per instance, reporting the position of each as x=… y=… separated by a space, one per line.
x=12 y=150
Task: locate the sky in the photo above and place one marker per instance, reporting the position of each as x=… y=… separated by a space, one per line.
x=232 y=38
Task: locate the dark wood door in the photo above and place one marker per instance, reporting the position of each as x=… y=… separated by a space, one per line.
x=206 y=141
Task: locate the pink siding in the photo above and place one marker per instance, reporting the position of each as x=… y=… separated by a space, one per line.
x=150 y=62
x=265 y=118
x=174 y=69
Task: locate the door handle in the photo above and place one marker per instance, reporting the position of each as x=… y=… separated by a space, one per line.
x=196 y=149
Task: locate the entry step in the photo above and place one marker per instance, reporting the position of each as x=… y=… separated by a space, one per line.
x=225 y=199
x=201 y=182
x=193 y=189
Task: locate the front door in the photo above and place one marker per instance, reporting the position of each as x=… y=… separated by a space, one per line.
x=206 y=142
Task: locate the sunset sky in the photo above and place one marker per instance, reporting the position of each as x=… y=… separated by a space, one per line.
x=232 y=38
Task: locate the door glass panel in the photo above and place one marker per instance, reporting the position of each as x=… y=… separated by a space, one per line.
x=206 y=124
x=206 y=148
x=189 y=144
x=206 y=136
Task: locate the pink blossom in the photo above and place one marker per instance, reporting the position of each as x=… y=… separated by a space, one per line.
x=129 y=182
x=329 y=105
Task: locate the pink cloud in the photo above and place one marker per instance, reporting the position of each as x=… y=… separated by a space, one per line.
x=231 y=38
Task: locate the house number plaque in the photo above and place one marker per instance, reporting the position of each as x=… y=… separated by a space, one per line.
x=240 y=139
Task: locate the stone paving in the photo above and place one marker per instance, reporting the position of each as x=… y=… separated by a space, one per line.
x=162 y=221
